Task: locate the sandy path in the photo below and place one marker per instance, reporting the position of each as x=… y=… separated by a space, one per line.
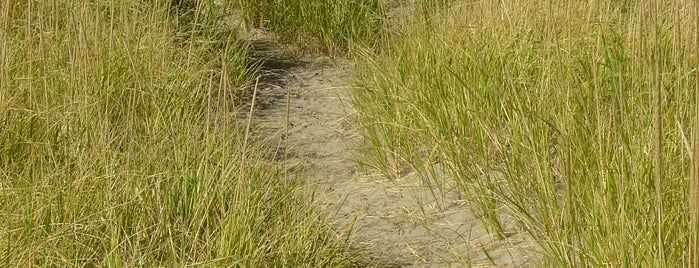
x=386 y=217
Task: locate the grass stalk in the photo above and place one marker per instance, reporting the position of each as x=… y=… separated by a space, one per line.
x=694 y=184
x=250 y=117
x=287 y=124
x=658 y=135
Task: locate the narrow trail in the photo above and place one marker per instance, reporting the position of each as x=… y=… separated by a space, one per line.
x=397 y=223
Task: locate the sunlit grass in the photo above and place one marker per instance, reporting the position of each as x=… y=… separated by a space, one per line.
x=548 y=111
x=326 y=26
x=119 y=145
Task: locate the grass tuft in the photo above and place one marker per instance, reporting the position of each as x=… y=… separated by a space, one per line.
x=327 y=26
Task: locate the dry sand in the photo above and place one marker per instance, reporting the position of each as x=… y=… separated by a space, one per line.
x=396 y=222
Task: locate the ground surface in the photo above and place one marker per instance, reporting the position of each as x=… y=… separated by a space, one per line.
x=397 y=223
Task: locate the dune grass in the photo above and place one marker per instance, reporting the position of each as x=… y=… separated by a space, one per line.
x=119 y=145
x=326 y=26
x=575 y=119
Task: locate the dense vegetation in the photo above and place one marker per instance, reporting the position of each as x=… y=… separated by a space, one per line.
x=119 y=145
x=327 y=26
x=575 y=119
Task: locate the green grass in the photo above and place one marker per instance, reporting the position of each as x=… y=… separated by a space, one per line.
x=327 y=26
x=119 y=145
x=570 y=117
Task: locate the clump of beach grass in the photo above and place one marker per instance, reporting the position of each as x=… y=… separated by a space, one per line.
x=119 y=145
x=575 y=119
x=326 y=26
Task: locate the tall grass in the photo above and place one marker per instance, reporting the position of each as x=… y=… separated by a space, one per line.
x=573 y=118
x=118 y=145
x=326 y=26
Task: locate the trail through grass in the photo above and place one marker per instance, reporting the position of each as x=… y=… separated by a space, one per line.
x=120 y=143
